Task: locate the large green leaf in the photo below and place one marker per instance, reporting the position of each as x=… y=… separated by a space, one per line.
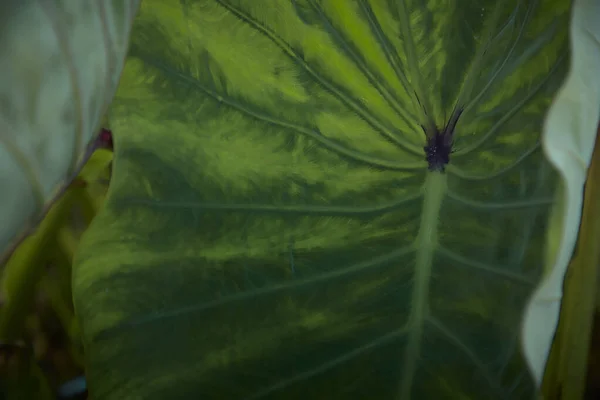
x=272 y=229
x=60 y=63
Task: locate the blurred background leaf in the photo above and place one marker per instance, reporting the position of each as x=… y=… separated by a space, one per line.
x=60 y=63
x=53 y=94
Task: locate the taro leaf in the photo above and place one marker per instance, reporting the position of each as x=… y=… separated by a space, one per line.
x=273 y=231
x=59 y=66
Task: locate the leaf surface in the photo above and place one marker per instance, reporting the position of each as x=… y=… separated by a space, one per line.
x=60 y=62
x=272 y=229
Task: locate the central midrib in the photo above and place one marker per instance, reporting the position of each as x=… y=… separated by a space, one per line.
x=425 y=243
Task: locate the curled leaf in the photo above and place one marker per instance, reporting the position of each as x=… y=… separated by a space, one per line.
x=60 y=63
x=568 y=140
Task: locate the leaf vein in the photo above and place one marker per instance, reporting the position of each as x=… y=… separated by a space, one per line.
x=355 y=106
x=326 y=142
x=385 y=93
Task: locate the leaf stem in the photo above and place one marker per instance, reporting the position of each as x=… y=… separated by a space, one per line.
x=26 y=267
x=435 y=191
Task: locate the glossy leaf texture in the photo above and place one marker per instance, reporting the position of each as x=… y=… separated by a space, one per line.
x=60 y=63
x=272 y=230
